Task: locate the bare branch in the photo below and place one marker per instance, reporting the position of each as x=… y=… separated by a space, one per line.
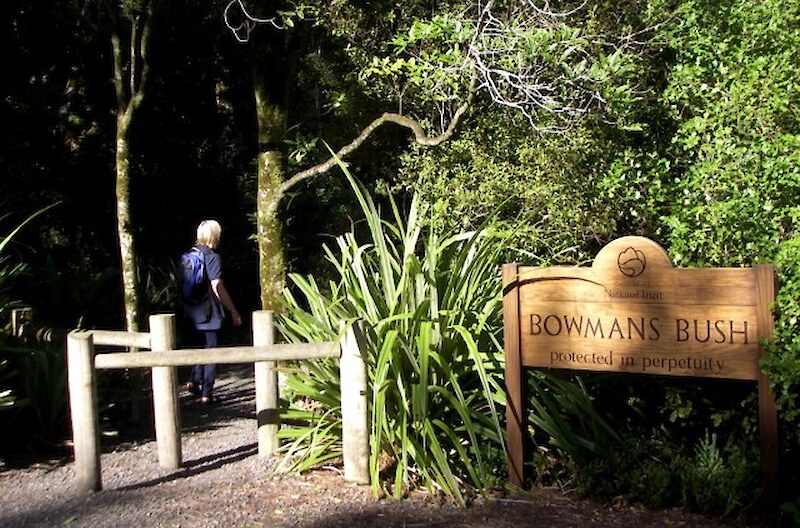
x=528 y=83
x=245 y=24
x=144 y=47
x=119 y=85
x=132 y=54
x=532 y=61
x=419 y=135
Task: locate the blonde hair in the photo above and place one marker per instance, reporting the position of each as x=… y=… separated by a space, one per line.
x=208 y=233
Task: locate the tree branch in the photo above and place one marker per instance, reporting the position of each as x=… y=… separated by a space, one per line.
x=144 y=47
x=419 y=135
x=116 y=48
x=133 y=55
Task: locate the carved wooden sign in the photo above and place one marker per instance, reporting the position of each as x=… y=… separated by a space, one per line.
x=632 y=311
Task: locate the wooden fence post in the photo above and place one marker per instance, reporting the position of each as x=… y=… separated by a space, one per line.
x=355 y=431
x=266 y=380
x=166 y=411
x=83 y=409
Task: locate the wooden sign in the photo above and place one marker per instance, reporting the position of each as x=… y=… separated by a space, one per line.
x=632 y=311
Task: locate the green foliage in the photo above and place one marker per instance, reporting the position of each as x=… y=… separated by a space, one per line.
x=32 y=381
x=705 y=161
x=549 y=66
x=782 y=364
x=657 y=472
x=563 y=195
x=735 y=94
x=714 y=482
x=646 y=469
x=73 y=292
x=564 y=418
x=568 y=431
x=432 y=309
x=428 y=60
x=735 y=199
x=635 y=187
x=792 y=510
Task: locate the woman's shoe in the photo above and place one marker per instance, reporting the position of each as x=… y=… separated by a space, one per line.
x=206 y=400
x=193 y=389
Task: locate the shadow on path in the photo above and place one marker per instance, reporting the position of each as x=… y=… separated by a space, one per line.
x=200 y=465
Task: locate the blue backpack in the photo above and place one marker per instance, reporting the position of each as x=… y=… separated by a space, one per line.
x=192 y=277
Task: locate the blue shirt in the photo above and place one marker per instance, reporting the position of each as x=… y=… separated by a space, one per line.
x=209 y=314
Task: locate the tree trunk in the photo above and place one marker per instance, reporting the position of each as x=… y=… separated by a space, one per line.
x=131 y=70
x=272 y=265
x=127 y=249
x=269 y=82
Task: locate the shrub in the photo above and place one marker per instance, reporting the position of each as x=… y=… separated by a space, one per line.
x=432 y=309
x=783 y=364
x=657 y=472
x=717 y=482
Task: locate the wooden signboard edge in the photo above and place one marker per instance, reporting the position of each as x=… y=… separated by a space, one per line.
x=515 y=408
x=767 y=410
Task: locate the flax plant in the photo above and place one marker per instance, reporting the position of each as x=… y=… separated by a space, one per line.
x=432 y=312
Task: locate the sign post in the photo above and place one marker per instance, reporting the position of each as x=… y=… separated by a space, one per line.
x=632 y=311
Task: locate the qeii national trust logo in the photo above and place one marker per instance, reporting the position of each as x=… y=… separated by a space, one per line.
x=631 y=262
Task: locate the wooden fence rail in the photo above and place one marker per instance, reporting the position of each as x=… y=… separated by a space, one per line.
x=163 y=358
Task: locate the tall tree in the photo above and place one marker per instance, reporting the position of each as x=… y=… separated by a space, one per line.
x=130 y=38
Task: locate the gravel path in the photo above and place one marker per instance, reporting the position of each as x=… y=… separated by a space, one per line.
x=224 y=483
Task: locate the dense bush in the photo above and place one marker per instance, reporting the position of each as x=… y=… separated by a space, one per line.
x=733 y=91
x=489 y=167
x=784 y=361
x=563 y=196
x=782 y=366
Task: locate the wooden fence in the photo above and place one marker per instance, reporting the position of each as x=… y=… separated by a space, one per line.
x=163 y=358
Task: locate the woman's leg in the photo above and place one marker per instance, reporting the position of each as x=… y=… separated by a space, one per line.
x=195 y=380
x=209 y=371
x=196 y=374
